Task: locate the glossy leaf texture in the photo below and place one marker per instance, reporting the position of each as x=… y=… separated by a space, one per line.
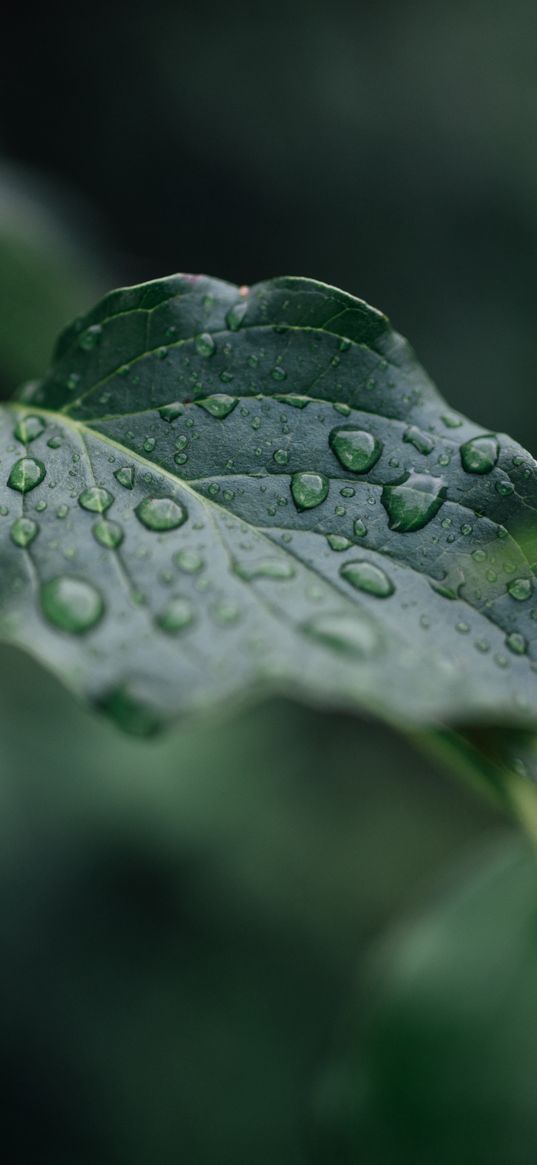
x=219 y=491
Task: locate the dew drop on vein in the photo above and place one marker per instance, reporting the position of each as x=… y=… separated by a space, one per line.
x=161 y=514
x=413 y=502
x=28 y=429
x=96 y=499
x=220 y=405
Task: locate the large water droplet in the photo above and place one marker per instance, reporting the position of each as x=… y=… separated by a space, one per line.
x=365 y=576
x=220 y=405
x=28 y=428
x=125 y=476
x=412 y=503
x=480 y=454
x=23 y=531
x=355 y=449
x=161 y=514
x=175 y=617
x=344 y=633
x=96 y=499
x=275 y=568
x=205 y=345
x=109 y=534
x=72 y=604
x=26 y=474
x=309 y=490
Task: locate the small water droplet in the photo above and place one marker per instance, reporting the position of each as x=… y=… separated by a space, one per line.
x=480 y=454
x=175 y=617
x=55 y=442
x=23 y=531
x=278 y=373
x=344 y=344
x=96 y=499
x=162 y=352
x=172 y=411
x=72 y=604
x=452 y=421
x=109 y=534
x=520 y=588
x=90 y=337
x=149 y=444
x=26 y=474
x=505 y=488
x=423 y=442
x=309 y=490
x=360 y=528
x=73 y=381
x=342 y=408
x=189 y=561
x=205 y=345
x=225 y=613
x=180 y=458
x=281 y=456
x=345 y=633
x=338 y=542
x=463 y=628
x=295 y=399
x=161 y=514
x=125 y=476
x=236 y=315
x=28 y=428
x=482 y=645
x=355 y=449
x=273 y=568
x=62 y=511
x=365 y=576
x=412 y=503
x=220 y=405
x=516 y=643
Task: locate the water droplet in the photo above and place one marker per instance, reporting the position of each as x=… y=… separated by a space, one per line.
x=309 y=490
x=162 y=352
x=26 y=474
x=480 y=454
x=281 y=457
x=360 y=528
x=175 y=617
x=278 y=373
x=73 y=381
x=90 y=337
x=505 y=488
x=236 y=315
x=55 y=442
x=62 y=511
x=149 y=444
x=520 y=588
x=295 y=399
x=482 y=645
x=479 y=556
x=225 y=613
x=28 y=428
x=220 y=405
x=181 y=458
x=342 y=408
x=344 y=344
x=273 y=568
x=466 y=529
x=161 y=514
x=355 y=449
x=109 y=534
x=205 y=345
x=423 y=442
x=412 y=503
x=516 y=643
x=172 y=411
x=338 y=542
x=452 y=421
x=345 y=633
x=463 y=628
x=189 y=561
x=125 y=476
x=365 y=576
x=72 y=604
x=23 y=531
x=96 y=499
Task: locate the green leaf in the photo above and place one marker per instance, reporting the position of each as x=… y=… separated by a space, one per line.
x=437 y=1056
x=217 y=491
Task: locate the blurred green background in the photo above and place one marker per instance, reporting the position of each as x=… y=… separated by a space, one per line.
x=247 y=941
